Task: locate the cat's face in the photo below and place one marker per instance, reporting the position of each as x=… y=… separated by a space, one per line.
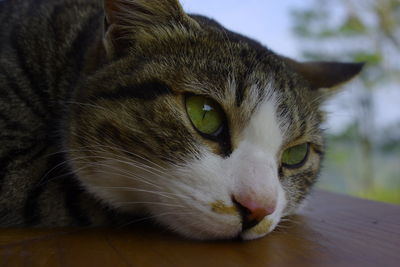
x=210 y=133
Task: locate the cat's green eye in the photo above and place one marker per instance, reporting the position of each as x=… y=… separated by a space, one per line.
x=205 y=114
x=295 y=156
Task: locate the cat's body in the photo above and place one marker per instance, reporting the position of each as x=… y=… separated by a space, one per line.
x=95 y=119
x=38 y=75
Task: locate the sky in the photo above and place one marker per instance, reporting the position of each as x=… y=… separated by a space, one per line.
x=269 y=22
x=266 y=21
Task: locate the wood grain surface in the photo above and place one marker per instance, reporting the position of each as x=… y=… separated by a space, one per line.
x=334 y=230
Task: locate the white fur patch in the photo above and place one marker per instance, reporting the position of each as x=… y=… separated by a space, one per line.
x=262 y=139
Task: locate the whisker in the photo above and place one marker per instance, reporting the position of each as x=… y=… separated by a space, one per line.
x=154 y=216
x=132 y=154
x=121 y=173
x=85 y=104
x=130 y=162
x=43 y=178
x=148 y=202
x=165 y=194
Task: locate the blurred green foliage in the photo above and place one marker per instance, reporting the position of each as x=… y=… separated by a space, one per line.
x=343 y=168
x=363 y=159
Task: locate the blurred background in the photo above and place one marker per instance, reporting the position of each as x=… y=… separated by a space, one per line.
x=363 y=127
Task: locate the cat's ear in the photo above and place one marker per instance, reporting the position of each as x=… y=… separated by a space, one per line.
x=126 y=21
x=321 y=74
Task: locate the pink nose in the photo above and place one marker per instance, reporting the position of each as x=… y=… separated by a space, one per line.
x=252 y=211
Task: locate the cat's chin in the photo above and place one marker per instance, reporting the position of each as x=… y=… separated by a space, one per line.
x=203 y=232
x=235 y=235
x=265 y=227
x=230 y=232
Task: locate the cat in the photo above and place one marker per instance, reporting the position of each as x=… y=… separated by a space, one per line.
x=118 y=108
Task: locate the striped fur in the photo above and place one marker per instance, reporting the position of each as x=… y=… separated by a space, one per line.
x=89 y=96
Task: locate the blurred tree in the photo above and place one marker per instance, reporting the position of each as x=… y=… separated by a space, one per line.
x=353 y=30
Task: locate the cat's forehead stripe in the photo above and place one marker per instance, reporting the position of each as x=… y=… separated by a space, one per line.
x=239 y=96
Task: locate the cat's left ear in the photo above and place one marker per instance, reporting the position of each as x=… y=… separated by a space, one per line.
x=128 y=21
x=325 y=75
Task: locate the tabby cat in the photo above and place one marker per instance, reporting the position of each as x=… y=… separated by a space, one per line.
x=132 y=107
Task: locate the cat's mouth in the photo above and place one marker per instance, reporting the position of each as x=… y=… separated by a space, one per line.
x=252 y=225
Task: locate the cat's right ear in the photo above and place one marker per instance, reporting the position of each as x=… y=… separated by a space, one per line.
x=129 y=21
x=325 y=75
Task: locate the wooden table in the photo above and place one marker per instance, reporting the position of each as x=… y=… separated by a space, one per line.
x=334 y=230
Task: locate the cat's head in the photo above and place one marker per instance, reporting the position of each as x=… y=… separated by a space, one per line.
x=207 y=131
